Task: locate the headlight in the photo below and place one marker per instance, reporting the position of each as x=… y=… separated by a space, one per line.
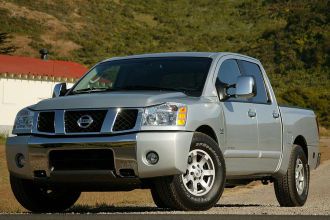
x=23 y=121
x=165 y=115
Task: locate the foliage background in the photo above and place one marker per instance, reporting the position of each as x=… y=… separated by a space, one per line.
x=291 y=38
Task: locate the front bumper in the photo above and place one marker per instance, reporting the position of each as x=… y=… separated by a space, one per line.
x=129 y=153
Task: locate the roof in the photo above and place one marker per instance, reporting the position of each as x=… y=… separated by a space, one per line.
x=32 y=66
x=180 y=54
x=169 y=54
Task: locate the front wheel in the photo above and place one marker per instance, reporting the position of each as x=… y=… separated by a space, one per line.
x=201 y=186
x=292 y=189
x=157 y=199
x=40 y=199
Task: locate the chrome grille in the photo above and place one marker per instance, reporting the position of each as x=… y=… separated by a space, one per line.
x=125 y=120
x=75 y=122
x=71 y=121
x=46 y=122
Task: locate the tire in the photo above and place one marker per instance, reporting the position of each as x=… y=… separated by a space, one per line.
x=157 y=199
x=201 y=187
x=40 y=200
x=289 y=191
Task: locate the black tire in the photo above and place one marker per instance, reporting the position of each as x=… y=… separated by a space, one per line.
x=286 y=190
x=176 y=195
x=157 y=199
x=40 y=200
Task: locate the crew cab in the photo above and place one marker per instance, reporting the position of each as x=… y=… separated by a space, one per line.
x=184 y=125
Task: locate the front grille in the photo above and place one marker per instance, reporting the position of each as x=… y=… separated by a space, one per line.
x=71 y=121
x=46 y=122
x=89 y=159
x=125 y=120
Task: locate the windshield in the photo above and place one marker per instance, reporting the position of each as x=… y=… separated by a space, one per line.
x=184 y=74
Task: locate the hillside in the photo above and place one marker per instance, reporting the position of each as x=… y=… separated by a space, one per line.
x=291 y=38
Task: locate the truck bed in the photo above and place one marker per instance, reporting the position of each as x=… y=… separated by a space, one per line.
x=301 y=123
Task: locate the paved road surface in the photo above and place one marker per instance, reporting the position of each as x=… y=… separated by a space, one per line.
x=258 y=201
x=158 y=217
x=262 y=200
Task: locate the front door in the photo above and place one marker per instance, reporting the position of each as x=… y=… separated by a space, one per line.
x=241 y=130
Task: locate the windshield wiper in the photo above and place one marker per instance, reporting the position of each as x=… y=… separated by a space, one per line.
x=135 y=87
x=157 y=88
x=89 y=90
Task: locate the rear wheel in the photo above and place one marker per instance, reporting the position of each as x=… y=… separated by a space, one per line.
x=41 y=199
x=292 y=189
x=201 y=186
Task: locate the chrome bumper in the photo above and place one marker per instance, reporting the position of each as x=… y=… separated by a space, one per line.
x=129 y=152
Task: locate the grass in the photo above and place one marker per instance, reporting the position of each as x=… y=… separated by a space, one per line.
x=290 y=38
x=324 y=132
x=3 y=138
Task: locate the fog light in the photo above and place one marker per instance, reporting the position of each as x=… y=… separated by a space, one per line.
x=20 y=160
x=152 y=157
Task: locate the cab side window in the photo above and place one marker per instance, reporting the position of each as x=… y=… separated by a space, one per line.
x=253 y=69
x=227 y=75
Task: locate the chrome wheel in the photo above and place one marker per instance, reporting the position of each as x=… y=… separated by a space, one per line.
x=300 y=176
x=200 y=174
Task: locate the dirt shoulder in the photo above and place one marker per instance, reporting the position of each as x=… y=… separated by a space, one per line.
x=325 y=148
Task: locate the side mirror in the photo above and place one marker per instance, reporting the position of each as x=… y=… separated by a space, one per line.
x=245 y=87
x=222 y=90
x=59 y=90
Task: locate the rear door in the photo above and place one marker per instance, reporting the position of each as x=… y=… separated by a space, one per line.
x=268 y=117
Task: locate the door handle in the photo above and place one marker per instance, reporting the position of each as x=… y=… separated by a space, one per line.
x=276 y=114
x=252 y=113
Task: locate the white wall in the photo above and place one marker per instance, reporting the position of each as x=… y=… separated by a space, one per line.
x=16 y=94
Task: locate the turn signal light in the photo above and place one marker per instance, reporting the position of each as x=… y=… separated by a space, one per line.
x=182 y=116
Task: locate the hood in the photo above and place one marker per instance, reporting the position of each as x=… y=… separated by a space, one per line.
x=109 y=99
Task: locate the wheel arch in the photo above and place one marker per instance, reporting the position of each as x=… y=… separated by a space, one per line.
x=209 y=131
x=301 y=141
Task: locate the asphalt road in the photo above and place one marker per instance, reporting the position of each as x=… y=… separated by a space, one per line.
x=261 y=199
x=158 y=217
x=258 y=200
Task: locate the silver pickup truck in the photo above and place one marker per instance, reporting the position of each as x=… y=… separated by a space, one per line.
x=184 y=125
